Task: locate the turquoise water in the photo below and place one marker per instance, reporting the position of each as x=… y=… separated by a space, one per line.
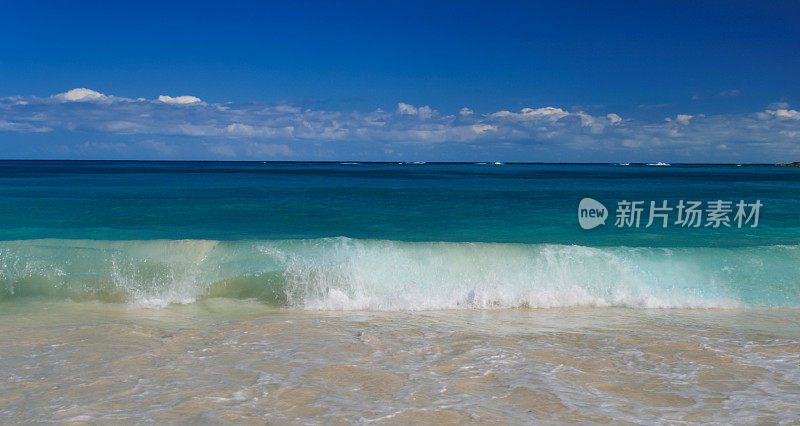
x=391 y=235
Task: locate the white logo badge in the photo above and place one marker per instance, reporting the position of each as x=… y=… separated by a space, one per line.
x=591 y=213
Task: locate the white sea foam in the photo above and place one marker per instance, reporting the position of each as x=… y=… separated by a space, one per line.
x=348 y=274
x=385 y=275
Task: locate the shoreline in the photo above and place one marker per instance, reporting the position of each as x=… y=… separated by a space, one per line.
x=234 y=361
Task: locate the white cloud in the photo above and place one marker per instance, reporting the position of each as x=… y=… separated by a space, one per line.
x=264 y=130
x=550 y=113
x=480 y=128
x=425 y=112
x=785 y=113
x=23 y=127
x=246 y=130
x=80 y=95
x=406 y=109
x=180 y=100
x=422 y=112
x=542 y=114
x=240 y=129
x=501 y=114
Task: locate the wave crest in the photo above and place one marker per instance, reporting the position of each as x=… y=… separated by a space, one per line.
x=348 y=274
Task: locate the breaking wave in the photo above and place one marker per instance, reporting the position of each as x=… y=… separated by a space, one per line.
x=348 y=274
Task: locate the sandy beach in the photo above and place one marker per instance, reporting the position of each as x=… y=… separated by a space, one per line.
x=222 y=360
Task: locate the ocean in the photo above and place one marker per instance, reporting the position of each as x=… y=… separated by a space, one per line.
x=135 y=291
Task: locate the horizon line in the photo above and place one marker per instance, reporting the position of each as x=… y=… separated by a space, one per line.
x=351 y=162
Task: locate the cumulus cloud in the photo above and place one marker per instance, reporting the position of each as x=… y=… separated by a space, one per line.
x=546 y=113
x=784 y=113
x=179 y=100
x=406 y=109
x=80 y=95
x=258 y=130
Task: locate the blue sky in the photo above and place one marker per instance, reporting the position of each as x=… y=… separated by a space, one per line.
x=448 y=81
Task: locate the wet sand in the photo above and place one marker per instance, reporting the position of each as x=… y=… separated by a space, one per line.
x=233 y=361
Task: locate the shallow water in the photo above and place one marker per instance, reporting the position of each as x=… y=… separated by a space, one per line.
x=223 y=360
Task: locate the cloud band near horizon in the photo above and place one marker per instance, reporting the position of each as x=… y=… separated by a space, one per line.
x=82 y=123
